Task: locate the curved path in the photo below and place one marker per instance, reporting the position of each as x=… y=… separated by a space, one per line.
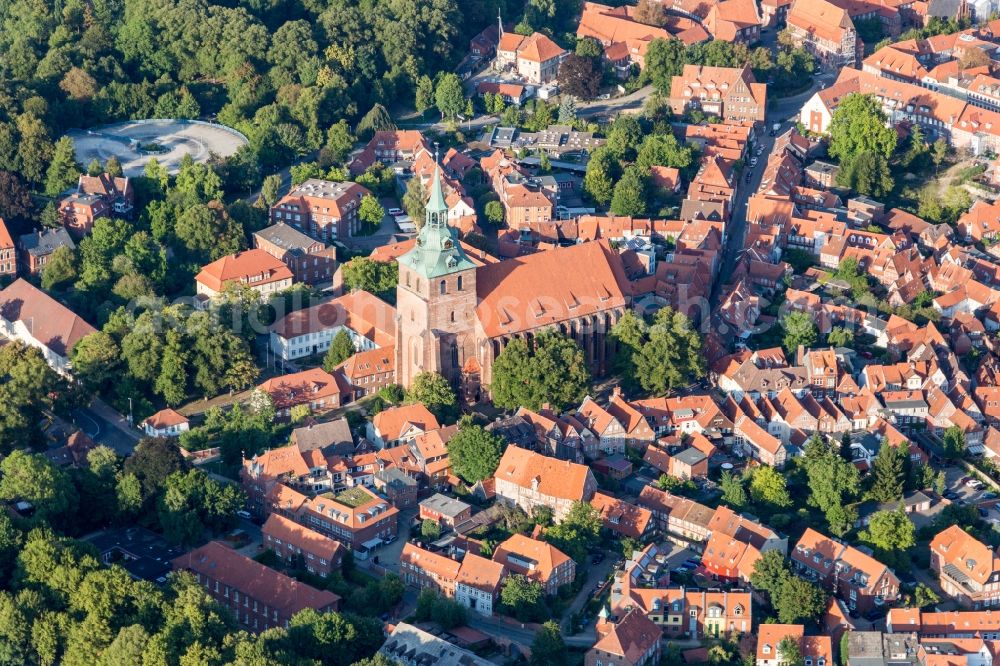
x=176 y=138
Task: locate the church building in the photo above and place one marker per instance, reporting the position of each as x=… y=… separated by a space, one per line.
x=454 y=317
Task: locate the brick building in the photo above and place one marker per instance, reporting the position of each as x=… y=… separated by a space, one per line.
x=259 y=597
x=731 y=93
x=97 y=196
x=34 y=249
x=323 y=209
x=8 y=252
x=859 y=580
x=299 y=546
x=311 y=261
x=445 y=511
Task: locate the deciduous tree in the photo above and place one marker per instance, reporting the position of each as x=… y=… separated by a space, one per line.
x=371 y=211
x=859 y=125
x=553 y=372
x=474 y=452
x=580 y=76
x=799 y=330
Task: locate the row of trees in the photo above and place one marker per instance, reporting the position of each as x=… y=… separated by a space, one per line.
x=785 y=71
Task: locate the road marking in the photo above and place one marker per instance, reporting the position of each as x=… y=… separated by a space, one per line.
x=97 y=425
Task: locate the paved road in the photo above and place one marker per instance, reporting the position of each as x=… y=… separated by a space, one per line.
x=106 y=426
x=786 y=112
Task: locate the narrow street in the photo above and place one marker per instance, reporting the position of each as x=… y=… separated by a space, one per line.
x=106 y=426
x=786 y=112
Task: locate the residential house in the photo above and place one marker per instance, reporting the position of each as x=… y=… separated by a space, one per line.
x=826 y=30
x=388 y=147
x=367 y=320
x=325 y=210
x=632 y=641
x=425 y=569
x=29 y=315
x=251 y=269
x=97 y=196
x=621 y=517
x=315 y=388
x=730 y=93
x=445 y=511
x=602 y=423
x=478 y=584
x=411 y=646
x=8 y=252
x=856 y=578
x=166 y=423
x=534 y=58
x=688 y=613
x=537 y=560
x=968 y=569
x=401 y=424
x=36 y=248
x=528 y=480
x=357 y=517
x=369 y=371
x=814 y=650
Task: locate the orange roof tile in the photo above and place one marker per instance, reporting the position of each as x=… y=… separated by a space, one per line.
x=240 y=267
x=392 y=423
x=556 y=478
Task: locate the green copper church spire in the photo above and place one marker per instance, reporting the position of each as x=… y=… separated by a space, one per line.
x=437 y=251
x=437 y=210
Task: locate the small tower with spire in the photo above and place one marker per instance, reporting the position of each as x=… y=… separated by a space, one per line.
x=435 y=298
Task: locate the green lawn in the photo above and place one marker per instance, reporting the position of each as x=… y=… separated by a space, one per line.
x=353 y=497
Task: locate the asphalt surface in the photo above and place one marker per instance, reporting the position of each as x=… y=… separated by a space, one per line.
x=106 y=426
x=786 y=112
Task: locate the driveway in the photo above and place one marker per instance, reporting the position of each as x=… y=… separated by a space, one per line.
x=594 y=575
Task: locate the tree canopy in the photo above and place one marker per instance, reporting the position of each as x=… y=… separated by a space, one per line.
x=474 y=452
x=553 y=372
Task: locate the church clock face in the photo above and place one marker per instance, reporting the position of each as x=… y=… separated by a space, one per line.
x=448 y=244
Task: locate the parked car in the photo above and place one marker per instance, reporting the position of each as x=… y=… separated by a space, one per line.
x=753 y=161
x=975 y=484
x=597 y=559
x=395 y=212
x=245 y=515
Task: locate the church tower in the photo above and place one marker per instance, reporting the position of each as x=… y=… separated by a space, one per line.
x=435 y=300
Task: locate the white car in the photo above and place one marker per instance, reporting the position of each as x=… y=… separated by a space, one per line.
x=395 y=212
x=753 y=161
x=974 y=483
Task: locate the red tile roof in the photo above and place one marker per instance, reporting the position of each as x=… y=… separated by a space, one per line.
x=50 y=322
x=300 y=536
x=286 y=595
x=241 y=266
x=566 y=283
